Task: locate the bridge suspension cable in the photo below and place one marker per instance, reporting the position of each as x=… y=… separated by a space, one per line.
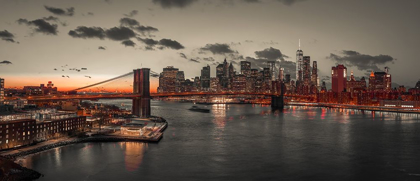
x=105 y=81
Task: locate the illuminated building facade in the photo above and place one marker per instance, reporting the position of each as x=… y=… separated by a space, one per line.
x=22 y=132
x=299 y=62
x=205 y=78
x=339 y=78
x=356 y=85
x=246 y=68
x=167 y=79
x=1 y=91
x=380 y=81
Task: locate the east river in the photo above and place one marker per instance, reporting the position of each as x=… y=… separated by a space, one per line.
x=250 y=142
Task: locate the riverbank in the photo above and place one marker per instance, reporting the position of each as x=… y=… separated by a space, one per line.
x=10 y=171
x=16 y=153
x=357 y=107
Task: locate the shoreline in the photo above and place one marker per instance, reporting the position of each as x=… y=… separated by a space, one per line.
x=10 y=170
x=339 y=106
x=33 y=149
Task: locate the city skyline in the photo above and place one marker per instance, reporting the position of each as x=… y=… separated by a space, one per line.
x=181 y=40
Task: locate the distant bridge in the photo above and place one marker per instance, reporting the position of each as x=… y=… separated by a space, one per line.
x=152 y=95
x=141 y=93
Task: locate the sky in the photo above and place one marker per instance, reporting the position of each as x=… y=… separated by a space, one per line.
x=110 y=38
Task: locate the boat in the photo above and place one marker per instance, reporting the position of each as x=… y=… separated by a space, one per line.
x=197 y=109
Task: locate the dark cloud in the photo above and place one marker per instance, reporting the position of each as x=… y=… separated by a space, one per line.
x=7 y=36
x=61 y=12
x=209 y=59
x=217 y=48
x=129 y=22
x=87 y=32
x=5 y=62
x=55 y=19
x=252 y=1
x=101 y=48
x=173 y=44
x=270 y=54
x=183 y=55
x=115 y=33
x=120 y=33
x=174 y=3
x=194 y=60
x=289 y=2
x=128 y=43
x=50 y=18
x=148 y=41
x=41 y=26
x=361 y=61
x=131 y=13
x=134 y=24
x=161 y=44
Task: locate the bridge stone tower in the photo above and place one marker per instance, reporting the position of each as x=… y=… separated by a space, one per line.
x=277 y=101
x=141 y=86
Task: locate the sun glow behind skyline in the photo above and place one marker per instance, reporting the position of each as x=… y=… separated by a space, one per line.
x=67 y=84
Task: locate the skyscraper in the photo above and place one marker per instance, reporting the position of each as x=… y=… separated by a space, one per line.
x=272 y=67
x=306 y=69
x=246 y=68
x=299 y=59
x=180 y=81
x=281 y=74
x=339 y=78
x=167 y=79
x=379 y=81
x=314 y=78
x=205 y=78
x=1 y=91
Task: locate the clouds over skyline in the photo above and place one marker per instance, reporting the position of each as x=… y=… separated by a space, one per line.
x=134 y=24
x=362 y=62
x=218 y=48
x=40 y=26
x=7 y=36
x=166 y=4
x=60 y=11
x=6 y=62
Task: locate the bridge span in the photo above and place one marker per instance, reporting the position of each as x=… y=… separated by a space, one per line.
x=141 y=93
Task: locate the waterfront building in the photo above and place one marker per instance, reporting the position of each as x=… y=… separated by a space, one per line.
x=355 y=85
x=380 y=81
x=306 y=70
x=314 y=76
x=167 y=79
x=214 y=84
x=205 y=78
x=246 y=68
x=180 y=82
x=41 y=89
x=25 y=128
x=339 y=78
x=197 y=84
x=239 y=83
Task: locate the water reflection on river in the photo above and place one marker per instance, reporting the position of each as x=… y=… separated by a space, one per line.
x=242 y=142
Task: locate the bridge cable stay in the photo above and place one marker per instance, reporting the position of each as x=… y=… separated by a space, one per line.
x=103 y=82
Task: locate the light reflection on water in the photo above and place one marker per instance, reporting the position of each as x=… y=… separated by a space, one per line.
x=242 y=142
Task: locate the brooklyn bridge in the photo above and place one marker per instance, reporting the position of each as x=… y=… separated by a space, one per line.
x=141 y=93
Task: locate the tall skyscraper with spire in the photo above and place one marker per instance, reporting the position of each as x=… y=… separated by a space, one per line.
x=299 y=62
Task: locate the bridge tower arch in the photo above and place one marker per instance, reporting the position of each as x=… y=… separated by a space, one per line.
x=141 y=86
x=277 y=101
